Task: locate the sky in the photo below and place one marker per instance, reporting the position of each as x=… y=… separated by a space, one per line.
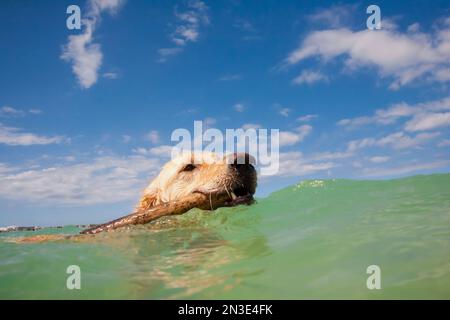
x=86 y=115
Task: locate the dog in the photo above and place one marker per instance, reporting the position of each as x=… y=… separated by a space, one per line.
x=192 y=180
x=232 y=178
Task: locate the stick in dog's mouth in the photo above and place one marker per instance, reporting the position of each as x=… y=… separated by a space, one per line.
x=181 y=187
x=199 y=200
x=196 y=200
x=205 y=186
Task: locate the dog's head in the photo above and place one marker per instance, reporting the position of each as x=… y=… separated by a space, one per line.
x=232 y=178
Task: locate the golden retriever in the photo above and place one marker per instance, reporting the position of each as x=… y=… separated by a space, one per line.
x=208 y=173
x=192 y=180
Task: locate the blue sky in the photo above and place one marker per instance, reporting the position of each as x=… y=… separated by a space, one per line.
x=86 y=115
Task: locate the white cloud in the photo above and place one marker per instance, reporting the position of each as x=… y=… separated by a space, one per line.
x=142 y=151
x=10 y=112
x=5 y=168
x=284 y=112
x=239 y=107
x=190 y=21
x=288 y=138
x=295 y=164
x=163 y=151
x=415 y=27
x=307 y=117
x=70 y=158
x=110 y=75
x=16 y=137
x=209 y=121
x=321 y=156
x=160 y=151
x=103 y=180
x=85 y=55
x=423 y=116
x=251 y=126
x=152 y=136
x=444 y=143
x=397 y=140
x=404 y=169
x=112 y=6
x=428 y=121
x=309 y=77
x=166 y=53
x=35 y=111
x=379 y=159
x=401 y=57
x=442 y=75
x=304 y=131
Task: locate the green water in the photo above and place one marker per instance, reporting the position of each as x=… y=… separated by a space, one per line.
x=312 y=240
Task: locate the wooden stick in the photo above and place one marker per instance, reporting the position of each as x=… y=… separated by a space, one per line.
x=195 y=200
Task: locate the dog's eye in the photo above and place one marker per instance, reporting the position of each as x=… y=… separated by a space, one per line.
x=189 y=167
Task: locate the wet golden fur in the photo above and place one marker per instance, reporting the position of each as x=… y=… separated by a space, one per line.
x=204 y=172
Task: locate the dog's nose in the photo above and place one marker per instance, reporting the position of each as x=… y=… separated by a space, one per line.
x=238 y=159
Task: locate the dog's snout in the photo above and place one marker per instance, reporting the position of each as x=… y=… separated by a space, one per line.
x=242 y=167
x=241 y=160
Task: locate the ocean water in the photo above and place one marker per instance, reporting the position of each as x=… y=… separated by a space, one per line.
x=311 y=240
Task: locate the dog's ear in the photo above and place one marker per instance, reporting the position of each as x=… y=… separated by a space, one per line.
x=148 y=200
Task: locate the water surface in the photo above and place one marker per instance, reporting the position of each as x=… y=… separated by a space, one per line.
x=311 y=240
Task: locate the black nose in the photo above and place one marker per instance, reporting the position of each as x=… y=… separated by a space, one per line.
x=242 y=166
x=241 y=159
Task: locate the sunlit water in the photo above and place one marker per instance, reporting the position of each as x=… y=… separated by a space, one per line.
x=311 y=240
